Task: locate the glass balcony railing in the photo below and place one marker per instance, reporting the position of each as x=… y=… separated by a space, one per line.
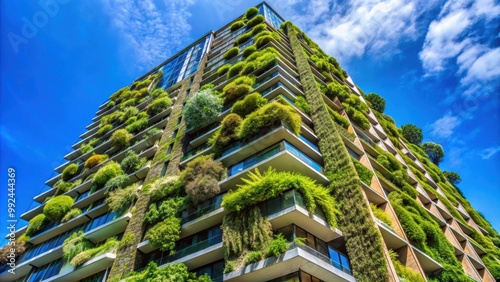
x=274 y=150
x=201 y=209
x=190 y=250
x=321 y=256
x=286 y=200
x=195 y=151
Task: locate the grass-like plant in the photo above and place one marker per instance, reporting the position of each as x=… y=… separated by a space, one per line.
x=120 y=199
x=36 y=224
x=95 y=160
x=69 y=172
x=277 y=246
x=121 y=138
x=159 y=105
x=71 y=214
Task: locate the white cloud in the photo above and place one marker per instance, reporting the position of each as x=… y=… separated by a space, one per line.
x=459 y=41
x=154 y=30
x=443 y=127
x=358 y=27
x=489 y=152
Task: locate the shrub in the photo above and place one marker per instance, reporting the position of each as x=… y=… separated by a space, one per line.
x=104 y=129
x=17 y=248
x=110 y=104
x=231 y=53
x=235 y=69
x=250 y=103
x=128 y=112
x=255 y=21
x=269 y=116
x=158 y=93
x=201 y=178
x=252 y=257
x=259 y=28
x=223 y=69
x=227 y=134
x=202 y=108
x=243 y=38
x=71 y=214
x=57 y=208
x=252 y=11
x=116 y=182
x=159 y=105
x=249 y=50
x=377 y=102
x=69 y=172
x=85 y=256
x=277 y=246
x=36 y=224
x=237 y=25
x=164 y=234
x=163 y=187
x=85 y=148
x=95 y=160
x=363 y=172
x=207 y=86
x=107 y=172
x=237 y=89
x=122 y=198
x=137 y=125
x=75 y=244
x=303 y=105
x=380 y=214
x=358 y=117
x=140 y=84
x=63 y=187
x=338 y=118
x=150 y=133
x=168 y=208
x=263 y=40
x=404 y=271
x=335 y=89
x=121 y=138
x=131 y=162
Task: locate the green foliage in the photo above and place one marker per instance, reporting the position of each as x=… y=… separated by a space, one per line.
x=202 y=108
x=434 y=151
x=234 y=69
x=223 y=69
x=303 y=105
x=85 y=148
x=127 y=240
x=242 y=39
x=104 y=129
x=380 y=214
x=207 y=86
x=139 y=84
x=56 y=208
x=252 y=11
x=69 y=172
x=63 y=187
x=95 y=160
x=167 y=208
x=83 y=257
x=164 y=234
x=261 y=187
x=36 y=224
x=75 y=244
x=358 y=117
x=335 y=89
x=128 y=112
x=226 y=135
x=376 y=101
x=116 y=182
x=236 y=89
x=121 y=138
x=163 y=187
x=277 y=246
x=252 y=257
x=260 y=61
x=245 y=231
x=71 y=214
x=269 y=116
x=255 y=21
x=107 y=172
x=249 y=50
x=249 y=104
x=354 y=101
x=150 y=133
x=231 y=53
x=259 y=28
x=201 y=178
x=159 y=105
x=364 y=173
x=404 y=271
x=338 y=118
x=237 y=25
x=159 y=92
x=412 y=133
x=170 y=272
x=120 y=199
x=132 y=162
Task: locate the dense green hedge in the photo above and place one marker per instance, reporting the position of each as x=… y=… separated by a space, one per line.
x=95 y=160
x=107 y=172
x=255 y=21
x=237 y=89
x=249 y=104
x=121 y=138
x=237 y=25
x=69 y=172
x=364 y=173
x=231 y=53
x=57 y=208
x=226 y=135
x=201 y=178
x=36 y=224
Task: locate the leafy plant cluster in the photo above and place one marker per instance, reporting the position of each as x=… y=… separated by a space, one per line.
x=202 y=108
x=257 y=62
x=363 y=240
x=398 y=174
x=77 y=249
x=171 y=272
x=381 y=214
x=404 y=271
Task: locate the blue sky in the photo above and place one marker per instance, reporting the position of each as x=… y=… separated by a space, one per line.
x=437 y=63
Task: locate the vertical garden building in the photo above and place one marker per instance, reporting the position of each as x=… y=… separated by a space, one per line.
x=250 y=155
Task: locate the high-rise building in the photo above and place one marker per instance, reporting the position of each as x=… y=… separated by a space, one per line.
x=250 y=155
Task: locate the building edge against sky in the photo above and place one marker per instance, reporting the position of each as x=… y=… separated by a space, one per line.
x=362 y=204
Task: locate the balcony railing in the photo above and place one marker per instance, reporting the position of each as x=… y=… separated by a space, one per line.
x=280 y=147
x=189 y=250
x=202 y=209
x=320 y=256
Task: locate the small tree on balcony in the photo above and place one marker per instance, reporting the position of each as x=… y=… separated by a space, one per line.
x=202 y=108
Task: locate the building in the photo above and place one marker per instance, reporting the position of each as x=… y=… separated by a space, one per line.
x=361 y=204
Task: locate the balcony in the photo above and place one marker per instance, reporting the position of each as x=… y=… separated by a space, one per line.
x=282 y=157
x=91 y=267
x=391 y=238
x=429 y=265
x=297 y=257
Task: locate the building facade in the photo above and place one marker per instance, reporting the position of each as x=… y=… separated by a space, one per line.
x=250 y=156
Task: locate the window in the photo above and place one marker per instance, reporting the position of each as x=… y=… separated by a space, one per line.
x=179 y=120
x=164 y=169
x=169 y=150
x=187 y=92
x=175 y=133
